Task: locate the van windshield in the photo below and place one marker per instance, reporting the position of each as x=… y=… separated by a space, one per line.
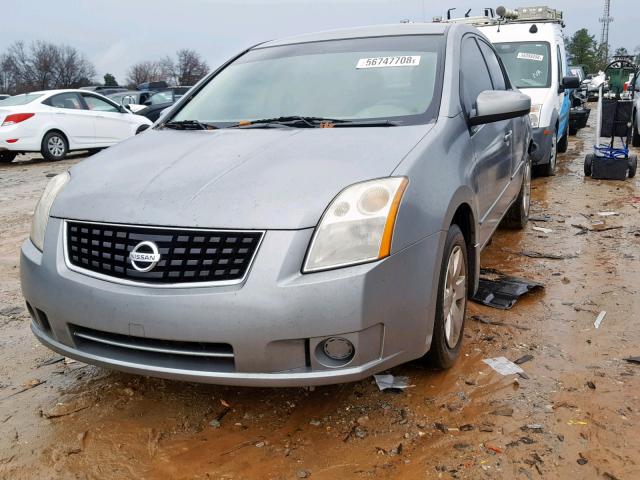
x=528 y=63
x=386 y=78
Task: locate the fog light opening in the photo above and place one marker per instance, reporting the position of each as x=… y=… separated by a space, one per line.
x=335 y=352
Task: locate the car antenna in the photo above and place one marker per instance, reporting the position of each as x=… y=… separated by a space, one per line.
x=449 y=13
x=466 y=15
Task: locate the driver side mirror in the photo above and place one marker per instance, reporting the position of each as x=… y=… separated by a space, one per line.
x=125 y=109
x=496 y=105
x=569 y=82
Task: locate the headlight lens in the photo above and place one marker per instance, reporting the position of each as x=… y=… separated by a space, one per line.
x=41 y=214
x=357 y=226
x=534 y=115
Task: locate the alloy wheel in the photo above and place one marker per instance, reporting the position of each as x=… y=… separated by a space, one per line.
x=554 y=152
x=56 y=146
x=455 y=296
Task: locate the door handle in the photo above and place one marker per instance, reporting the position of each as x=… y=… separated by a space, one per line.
x=507 y=136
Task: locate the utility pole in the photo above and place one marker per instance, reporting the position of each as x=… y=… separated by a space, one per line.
x=605 y=20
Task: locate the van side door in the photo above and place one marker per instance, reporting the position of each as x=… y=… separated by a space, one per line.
x=491 y=142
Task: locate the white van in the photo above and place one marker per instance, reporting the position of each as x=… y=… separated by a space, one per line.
x=530 y=44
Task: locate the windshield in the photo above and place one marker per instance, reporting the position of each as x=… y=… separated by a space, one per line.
x=19 y=99
x=385 y=78
x=528 y=63
x=161 y=97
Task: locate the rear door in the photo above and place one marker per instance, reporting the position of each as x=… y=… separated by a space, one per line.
x=491 y=141
x=67 y=111
x=112 y=126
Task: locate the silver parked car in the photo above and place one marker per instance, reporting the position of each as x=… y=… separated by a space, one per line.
x=311 y=213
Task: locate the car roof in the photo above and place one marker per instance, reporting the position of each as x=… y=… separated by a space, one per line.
x=363 y=32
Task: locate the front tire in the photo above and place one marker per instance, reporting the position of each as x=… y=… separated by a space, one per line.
x=635 y=141
x=549 y=169
x=563 y=144
x=518 y=215
x=451 y=306
x=54 y=146
x=633 y=165
x=7 y=157
x=588 y=162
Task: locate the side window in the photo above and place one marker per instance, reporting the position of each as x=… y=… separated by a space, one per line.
x=98 y=104
x=474 y=76
x=69 y=100
x=497 y=75
x=559 y=65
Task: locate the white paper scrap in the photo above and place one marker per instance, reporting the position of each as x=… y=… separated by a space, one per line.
x=542 y=229
x=599 y=319
x=389 y=381
x=607 y=214
x=503 y=366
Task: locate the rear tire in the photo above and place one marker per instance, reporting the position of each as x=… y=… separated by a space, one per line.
x=7 y=157
x=588 y=160
x=518 y=215
x=633 y=165
x=54 y=146
x=549 y=169
x=451 y=305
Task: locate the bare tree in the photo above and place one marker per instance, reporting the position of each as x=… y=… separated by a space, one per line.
x=189 y=67
x=43 y=66
x=142 y=72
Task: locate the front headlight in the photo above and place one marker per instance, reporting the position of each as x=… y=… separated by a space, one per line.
x=357 y=226
x=534 y=115
x=41 y=214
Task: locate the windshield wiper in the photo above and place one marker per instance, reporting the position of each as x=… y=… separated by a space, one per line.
x=189 y=125
x=311 y=122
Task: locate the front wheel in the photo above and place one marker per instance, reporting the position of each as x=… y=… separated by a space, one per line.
x=54 y=146
x=563 y=144
x=635 y=141
x=633 y=165
x=549 y=169
x=451 y=304
x=7 y=157
x=518 y=215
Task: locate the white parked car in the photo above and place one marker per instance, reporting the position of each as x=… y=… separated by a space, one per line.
x=55 y=122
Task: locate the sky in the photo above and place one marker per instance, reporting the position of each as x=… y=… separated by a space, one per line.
x=118 y=33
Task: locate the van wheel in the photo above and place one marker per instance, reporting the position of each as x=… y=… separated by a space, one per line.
x=563 y=144
x=54 y=146
x=451 y=305
x=588 y=160
x=518 y=215
x=549 y=169
x=7 y=157
x=635 y=141
x=633 y=165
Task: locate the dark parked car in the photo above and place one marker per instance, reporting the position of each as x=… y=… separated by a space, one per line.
x=160 y=101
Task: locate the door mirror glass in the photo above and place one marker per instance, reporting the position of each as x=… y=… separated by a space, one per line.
x=570 y=82
x=497 y=105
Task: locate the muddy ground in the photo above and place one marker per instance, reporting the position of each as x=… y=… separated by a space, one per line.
x=576 y=416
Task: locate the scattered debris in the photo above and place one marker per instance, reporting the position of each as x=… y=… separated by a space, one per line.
x=502 y=291
x=577 y=422
x=633 y=360
x=534 y=427
x=486 y=321
x=549 y=256
x=215 y=423
x=582 y=460
x=441 y=426
x=599 y=319
x=303 y=474
x=466 y=428
x=485 y=427
x=523 y=359
x=503 y=412
x=591 y=385
x=542 y=229
x=28 y=386
x=503 y=366
x=389 y=381
x=50 y=361
x=541 y=218
x=607 y=214
x=493 y=448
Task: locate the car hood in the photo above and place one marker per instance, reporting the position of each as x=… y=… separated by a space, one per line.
x=277 y=178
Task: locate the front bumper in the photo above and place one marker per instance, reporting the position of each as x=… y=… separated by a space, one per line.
x=542 y=153
x=273 y=321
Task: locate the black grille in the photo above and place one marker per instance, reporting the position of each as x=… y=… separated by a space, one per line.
x=186 y=256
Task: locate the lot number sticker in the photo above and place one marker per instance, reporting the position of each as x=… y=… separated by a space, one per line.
x=382 y=62
x=530 y=56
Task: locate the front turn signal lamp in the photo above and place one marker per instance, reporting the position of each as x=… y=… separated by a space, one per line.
x=357 y=226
